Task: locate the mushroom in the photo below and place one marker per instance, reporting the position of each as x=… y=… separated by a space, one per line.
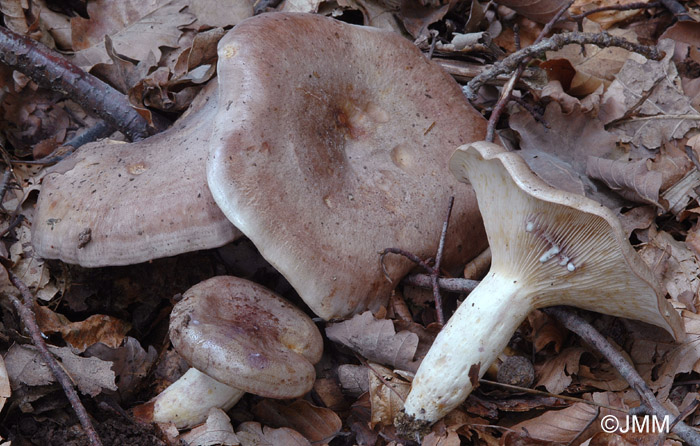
x=113 y=203
x=238 y=337
x=329 y=146
x=549 y=247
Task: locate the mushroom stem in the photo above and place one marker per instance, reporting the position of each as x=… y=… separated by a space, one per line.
x=462 y=352
x=187 y=401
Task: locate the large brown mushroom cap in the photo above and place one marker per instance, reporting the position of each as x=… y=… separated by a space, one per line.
x=246 y=336
x=331 y=144
x=113 y=203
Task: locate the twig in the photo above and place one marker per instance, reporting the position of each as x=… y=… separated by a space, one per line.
x=581 y=431
x=16 y=221
x=684 y=414
x=556 y=42
x=29 y=321
x=412 y=257
x=438 y=260
x=364 y=362
x=583 y=329
x=503 y=100
x=99 y=130
x=447 y=284
x=573 y=399
x=52 y=71
x=678 y=11
x=433 y=42
x=434 y=271
x=4 y=184
x=628 y=7
x=537 y=116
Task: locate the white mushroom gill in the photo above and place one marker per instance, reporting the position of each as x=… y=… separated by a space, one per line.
x=549 y=247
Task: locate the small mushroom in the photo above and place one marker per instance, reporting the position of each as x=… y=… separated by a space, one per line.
x=113 y=203
x=238 y=337
x=330 y=145
x=549 y=247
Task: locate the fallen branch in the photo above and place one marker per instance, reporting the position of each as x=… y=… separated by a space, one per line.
x=556 y=42
x=590 y=335
x=26 y=314
x=52 y=71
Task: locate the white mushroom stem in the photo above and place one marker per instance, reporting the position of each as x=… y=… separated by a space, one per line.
x=187 y=401
x=549 y=247
x=454 y=364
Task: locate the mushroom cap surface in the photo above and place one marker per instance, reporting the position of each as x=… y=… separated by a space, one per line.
x=245 y=336
x=332 y=144
x=113 y=203
x=564 y=248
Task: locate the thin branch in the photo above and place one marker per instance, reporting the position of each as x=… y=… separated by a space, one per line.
x=412 y=257
x=556 y=42
x=16 y=221
x=447 y=284
x=97 y=131
x=438 y=260
x=583 y=329
x=29 y=321
x=581 y=431
x=627 y=7
x=678 y=11
x=573 y=399
x=52 y=71
x=379 y=376
x=5 y=183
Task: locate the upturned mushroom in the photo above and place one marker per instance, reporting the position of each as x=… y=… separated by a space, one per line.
x=113 y=203
x=330 y=145
x=549 y=247
x=238 y=337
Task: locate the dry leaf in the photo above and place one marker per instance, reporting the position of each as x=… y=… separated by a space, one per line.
x=566 y=424
x=597 y=66
x=353 y=379
x=25 y=366
x=546 y=331
x=32 y=271
x=417 y=16
x=645 y=104
x=681 y=194
x=606 y=19
x=217 y=430
x=5 y=390
x=316 y=424
x=80 y=335
x=136 y=28
x=629 y=438
x=376 y=340
x=556 y=373
x=632 y=180
x=387 y=395
x=130 y=362
x=442 y=435
x=252 y=433
x=541 y=11
x=664 y=361
x=218 y=13
x=680 y=270
x=559 y=154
